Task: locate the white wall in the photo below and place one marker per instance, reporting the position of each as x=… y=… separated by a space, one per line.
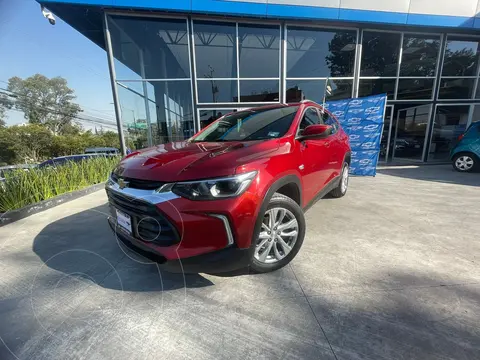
x=465 y=8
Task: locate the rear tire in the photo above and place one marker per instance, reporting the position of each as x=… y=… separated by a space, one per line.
x=342 y=187
x=465 y=162
x=281 y=235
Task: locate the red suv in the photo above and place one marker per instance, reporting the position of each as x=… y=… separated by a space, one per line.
x=233 y=195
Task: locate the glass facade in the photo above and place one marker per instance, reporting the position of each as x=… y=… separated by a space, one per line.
x=450 y=122
x=152 y=68
x=317 y=58
x=175 y=75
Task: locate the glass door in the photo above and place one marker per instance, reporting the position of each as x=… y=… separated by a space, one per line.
x=451 y=121
x=385 y=153
x=410 y=132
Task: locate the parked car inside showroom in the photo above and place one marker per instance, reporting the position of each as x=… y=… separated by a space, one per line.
x=465 y=155
x=233 y=195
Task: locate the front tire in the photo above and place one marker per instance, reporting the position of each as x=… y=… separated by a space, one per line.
x=281 y=235
x=465 y=162
x=342 y=187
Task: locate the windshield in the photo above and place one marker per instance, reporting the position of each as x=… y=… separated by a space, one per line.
x=250 y=125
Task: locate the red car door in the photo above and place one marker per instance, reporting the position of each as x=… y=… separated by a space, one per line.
x=314 y=157
x=337 y=145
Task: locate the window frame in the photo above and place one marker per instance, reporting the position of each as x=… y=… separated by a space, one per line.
x=440 y=76
x=310 y=27
x=336 y=124
x=317 y=110
x=398 y=59
x=238 y=78
x=433 y=114
x=397 y=77
x=313 y=27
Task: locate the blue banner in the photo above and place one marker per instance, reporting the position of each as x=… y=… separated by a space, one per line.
x=362 y=120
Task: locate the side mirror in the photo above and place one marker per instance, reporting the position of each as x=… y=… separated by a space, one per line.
x=315 y=132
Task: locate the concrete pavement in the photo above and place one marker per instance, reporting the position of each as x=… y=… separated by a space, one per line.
x=390 y=271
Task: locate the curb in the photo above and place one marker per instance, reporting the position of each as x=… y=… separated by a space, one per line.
x=15 y=215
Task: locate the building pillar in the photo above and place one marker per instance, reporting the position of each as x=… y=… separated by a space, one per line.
x=116 y=102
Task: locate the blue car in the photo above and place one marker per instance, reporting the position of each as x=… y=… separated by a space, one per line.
x=466 y=154
x=63 y=160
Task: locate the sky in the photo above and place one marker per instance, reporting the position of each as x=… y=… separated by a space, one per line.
x=30 y=45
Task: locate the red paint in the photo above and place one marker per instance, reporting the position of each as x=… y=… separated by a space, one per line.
x=322 y=160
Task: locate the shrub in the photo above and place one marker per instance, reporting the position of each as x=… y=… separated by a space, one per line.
x=22 y=188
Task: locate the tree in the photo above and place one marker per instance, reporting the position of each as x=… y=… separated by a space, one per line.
x=7 y=147
x=45 y=101
x=419 y=56
x=341 y=63
x=5 y=104
x=32 y=142
x=461 y=62
x=111 y=139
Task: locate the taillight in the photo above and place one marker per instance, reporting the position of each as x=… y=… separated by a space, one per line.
x=460 y=137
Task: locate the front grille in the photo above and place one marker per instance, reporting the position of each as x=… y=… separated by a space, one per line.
x=148 y=223
x=140 y=184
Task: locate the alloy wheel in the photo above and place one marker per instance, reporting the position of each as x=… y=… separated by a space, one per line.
x=464 y=163
x=344 y=180
x=277 y=237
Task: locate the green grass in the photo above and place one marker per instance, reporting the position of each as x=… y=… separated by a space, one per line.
x=22 y=188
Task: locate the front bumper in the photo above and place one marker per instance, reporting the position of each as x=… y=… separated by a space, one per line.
x=224 y=260
x=200 y=236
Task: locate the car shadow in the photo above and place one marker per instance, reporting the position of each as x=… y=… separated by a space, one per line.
x=83 y=246
x=435 y=173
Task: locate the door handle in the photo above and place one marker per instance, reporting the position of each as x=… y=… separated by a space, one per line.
x=327 y=144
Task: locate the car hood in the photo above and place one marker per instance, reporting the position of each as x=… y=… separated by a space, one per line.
x=180 y=161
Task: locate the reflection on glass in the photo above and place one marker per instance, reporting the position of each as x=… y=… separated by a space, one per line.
x=369 y=87
x=207 y=116
x=419 y=55
x=124 y=72
x=259 y=50
x=320 y=52
x=411 y=124
x=259 y=90
x=380 y=53
x=169 y=111
x=215 y=49
x=174 y=111
x=157 y=47
x=133 y=113
x=215 y=91
x=477 y=93
x=415 y=89
x=298 y=90
x=450 y=122
x=251 y=125
x=461 y=57
x=476 y=113
x=384 y=149
x=456 y=88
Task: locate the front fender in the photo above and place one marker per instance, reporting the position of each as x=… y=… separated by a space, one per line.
x=272 y=189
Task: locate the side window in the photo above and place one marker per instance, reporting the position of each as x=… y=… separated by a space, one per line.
x=310 y=117
x=329 y=120
x=57 y=162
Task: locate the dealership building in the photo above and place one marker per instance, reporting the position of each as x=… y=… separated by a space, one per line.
x=177 y=65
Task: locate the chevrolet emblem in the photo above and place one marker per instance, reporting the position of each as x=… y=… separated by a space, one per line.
x=122 y=183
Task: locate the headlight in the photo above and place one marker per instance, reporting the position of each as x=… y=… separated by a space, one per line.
x=213 y=189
